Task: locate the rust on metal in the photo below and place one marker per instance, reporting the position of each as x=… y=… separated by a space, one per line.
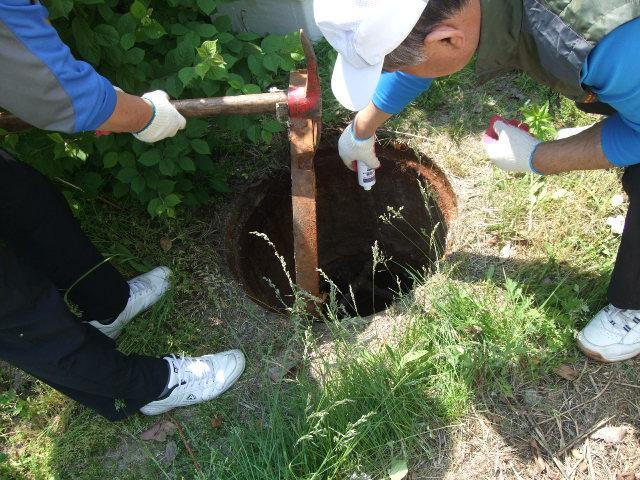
x=304 y=136
x=305 y=110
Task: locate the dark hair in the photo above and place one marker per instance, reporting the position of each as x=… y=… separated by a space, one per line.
x=410 y=52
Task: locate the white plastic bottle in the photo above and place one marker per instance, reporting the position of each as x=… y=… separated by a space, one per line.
x=366 y=176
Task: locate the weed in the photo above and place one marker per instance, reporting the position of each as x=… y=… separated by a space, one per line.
x=540 y=120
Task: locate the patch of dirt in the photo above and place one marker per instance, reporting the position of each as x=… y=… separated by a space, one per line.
x=130 y=455
x=495 y=441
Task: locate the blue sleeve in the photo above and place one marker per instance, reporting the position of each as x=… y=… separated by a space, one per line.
x=42 y=82
x=612 y=71
x=396 y=90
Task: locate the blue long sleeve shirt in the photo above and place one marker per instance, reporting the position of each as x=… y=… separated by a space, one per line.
x=42 y=82
x=612 y=71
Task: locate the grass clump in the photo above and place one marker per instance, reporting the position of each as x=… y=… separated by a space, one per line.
x=359 y=413
x=476 y=338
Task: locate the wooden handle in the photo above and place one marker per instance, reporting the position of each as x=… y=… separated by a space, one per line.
x=240 y=105
x=194 y=108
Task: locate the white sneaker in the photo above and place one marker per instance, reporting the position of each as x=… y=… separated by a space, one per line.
x=612 y=336
x=198 y=379
x=144 y=291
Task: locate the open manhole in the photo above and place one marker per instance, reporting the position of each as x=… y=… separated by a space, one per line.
x=404 y=218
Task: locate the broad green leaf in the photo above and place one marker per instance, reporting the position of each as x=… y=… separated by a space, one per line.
x=209 y=50
x=251 y=88
x=267 y=136
x=272 y=126
x=86 y=42
x=272 y=43
x=271 y=62
x=154 y=30
x=196 y=128
x=138 y=10
x=126 y=159
x=398 y=470
x=167 y=167
x=135 y=55
x=110 y=160
x=172 y=200
x=165 y=187
x=202 y=69
x=247 y=36
x=256 y=66
x=253 y=133
x=138 y=184
x=207 y=6
x=155 y=207
x=127 y=40
x=125 y=175
x=59 y=8
x=173 y=86
x=106 y=35
x=187 y=74
x=200 y=146
x=413 y=356
x=187 y=164
x=150 y=158
x=206 y=30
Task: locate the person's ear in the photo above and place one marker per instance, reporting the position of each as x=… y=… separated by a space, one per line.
x=445 y=35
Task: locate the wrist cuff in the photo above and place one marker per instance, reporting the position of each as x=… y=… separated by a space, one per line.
x=153 y=116
x=531 y=160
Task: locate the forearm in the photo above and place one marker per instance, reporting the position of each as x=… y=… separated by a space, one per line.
x=369 y=120
x=132 y=114
x=580 y=152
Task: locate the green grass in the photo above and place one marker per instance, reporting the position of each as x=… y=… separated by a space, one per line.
x=480 y=325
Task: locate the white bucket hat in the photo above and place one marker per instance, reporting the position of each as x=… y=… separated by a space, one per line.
x=364 y=32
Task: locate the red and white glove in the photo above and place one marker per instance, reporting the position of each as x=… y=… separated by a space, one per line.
x=166 y=120
x=510 y=146
x=352 y=149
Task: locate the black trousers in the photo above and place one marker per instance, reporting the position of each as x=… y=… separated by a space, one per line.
x=45 y=256
x=624 y=289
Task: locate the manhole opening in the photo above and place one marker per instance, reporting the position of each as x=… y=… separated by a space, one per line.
x=400 y=226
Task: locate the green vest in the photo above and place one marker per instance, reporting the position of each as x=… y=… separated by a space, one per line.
x=548 y=39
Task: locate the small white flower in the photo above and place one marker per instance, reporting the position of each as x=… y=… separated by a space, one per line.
x=616 y=224
x=561 y=193
x=617 y=200
x=507 y=251
x=360 y=476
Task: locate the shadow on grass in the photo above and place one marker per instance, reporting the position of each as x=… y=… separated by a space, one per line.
x=556 y=285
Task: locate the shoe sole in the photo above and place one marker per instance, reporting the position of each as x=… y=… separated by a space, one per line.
x=594 y=355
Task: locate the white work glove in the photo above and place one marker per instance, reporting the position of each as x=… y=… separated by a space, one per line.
x=166 y=120
x=570 y=132
x=352 y=149
x=514 y=149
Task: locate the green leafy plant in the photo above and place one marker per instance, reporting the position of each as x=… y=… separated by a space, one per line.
x=173 y=45
x=540 y=120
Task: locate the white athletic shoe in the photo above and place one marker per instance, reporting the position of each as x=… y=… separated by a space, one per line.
x=198 y=379
x=144 y=291
x=612 y=336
